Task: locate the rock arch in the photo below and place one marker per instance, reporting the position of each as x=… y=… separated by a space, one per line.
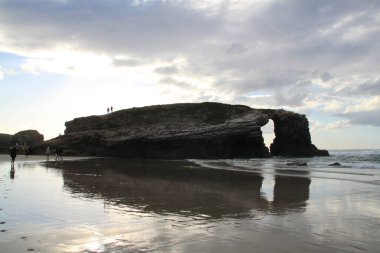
x=292 y=135
x=187 y=130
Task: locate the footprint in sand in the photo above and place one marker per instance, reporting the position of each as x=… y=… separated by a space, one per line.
x=3 y=230
x=30 y=250
x=24 y=237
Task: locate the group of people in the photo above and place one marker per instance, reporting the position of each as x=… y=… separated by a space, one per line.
x=109 y=109
x=58 y=154
x=13 y=153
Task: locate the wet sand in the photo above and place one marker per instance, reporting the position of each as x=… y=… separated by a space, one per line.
x=115 y=205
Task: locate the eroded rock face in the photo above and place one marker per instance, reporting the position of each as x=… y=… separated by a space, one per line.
x=4 y=142
x=27 y=138
x=178 y=131
x=23 y=139
x=292 y=135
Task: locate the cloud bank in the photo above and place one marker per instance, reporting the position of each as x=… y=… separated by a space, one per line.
x=316 y=55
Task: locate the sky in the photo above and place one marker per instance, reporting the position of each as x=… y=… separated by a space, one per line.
x=63 y=59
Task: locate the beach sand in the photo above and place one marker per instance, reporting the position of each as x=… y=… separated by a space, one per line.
x=116 y=205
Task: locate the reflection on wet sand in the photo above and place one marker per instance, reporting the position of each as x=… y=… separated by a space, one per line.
x=181 y=187
x=12 y=171
x=290 y=193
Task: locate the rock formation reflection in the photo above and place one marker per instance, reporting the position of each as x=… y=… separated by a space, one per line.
x=180 y=187
x=290 y=193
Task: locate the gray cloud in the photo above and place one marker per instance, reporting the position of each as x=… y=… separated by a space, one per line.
x=127 y=62
x=167 y=70
x=174 y=82
x=370 y=117
x=235 y=49
x=326 y=76
x=368 y=88
x=154 y=28
x=276 y=47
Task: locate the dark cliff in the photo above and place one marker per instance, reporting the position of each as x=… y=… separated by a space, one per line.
x=292 y=135
x=23 y=139
x=27 y=138
x=4 y=142
x=178 y=131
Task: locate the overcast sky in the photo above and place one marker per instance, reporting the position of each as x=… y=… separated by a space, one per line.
x=61 y=59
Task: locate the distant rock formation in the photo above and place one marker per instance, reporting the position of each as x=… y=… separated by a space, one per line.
x=27 y=138
x=4 y=142
x=192 y=130
x=24 y=138
x=292 y=135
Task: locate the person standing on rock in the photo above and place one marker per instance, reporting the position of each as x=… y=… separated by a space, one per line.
x=48 y=153
x=108 y=110
x=111 y=108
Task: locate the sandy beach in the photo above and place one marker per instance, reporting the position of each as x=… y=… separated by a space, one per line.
x=116 y=205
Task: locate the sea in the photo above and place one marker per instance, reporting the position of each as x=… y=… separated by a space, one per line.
x=355 y=165
x=278 y=204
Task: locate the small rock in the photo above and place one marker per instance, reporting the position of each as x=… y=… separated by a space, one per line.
x=297 y=164
x=335 y=164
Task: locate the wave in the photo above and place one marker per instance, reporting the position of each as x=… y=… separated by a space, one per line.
x=355 y=165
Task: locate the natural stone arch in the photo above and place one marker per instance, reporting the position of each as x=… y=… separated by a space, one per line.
x=292 y=135
x=186 y=130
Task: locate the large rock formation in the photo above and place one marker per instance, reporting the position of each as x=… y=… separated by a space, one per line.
x=292 y=135
x=27 y=138
x=4 y=142
x=177 y=131
x=23 y=139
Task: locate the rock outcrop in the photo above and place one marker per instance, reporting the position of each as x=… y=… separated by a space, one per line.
x=27 y=138
x=178 y=131
x=292 y=135
x=22 y=139
x=4 y=142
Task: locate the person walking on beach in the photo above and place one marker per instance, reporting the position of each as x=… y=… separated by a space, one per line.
x=48 y=153
x=26 y=151
x=58 y=154
x=13 y=154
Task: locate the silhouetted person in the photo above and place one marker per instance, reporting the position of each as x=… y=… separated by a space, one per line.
x=58 y=154
x=108 y=110
x=48 y=153
x=111 y=109
x=13 y=154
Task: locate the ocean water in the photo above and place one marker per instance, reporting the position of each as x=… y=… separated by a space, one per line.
x=239 y=205
x=355 y=165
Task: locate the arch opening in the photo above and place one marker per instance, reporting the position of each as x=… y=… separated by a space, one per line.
x=268 y=133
